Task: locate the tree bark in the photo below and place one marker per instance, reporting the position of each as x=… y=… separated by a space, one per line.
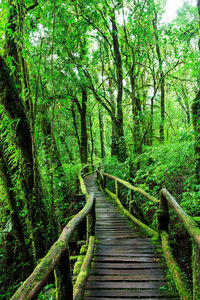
x=162 y=78
x=91 y=139
x=101 y=131
x=14 y=213
x=196 y=117
x=35 y=207
x=84 y=139
x=118 y=120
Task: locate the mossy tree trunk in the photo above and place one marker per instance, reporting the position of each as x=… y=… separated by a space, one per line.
x=196 y=117
x=101 y=131
x=83 y=139
x=162 y=78
x=14 y=211
x=35 y=207
x=118 y=120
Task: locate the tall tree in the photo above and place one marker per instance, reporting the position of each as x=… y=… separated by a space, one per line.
x=196 y=114
x=162 y=78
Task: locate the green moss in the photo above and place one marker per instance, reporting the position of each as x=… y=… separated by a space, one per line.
x=83 y=249
x=126 y=213
x=177 y=275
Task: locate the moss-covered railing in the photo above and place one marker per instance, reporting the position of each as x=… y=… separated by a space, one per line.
x=163 y=217
x=59 y=254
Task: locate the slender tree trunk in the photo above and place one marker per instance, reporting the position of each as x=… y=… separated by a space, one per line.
x=101 y=131
x=76 y=128
x=91 y=139
x=136 y=113
x=196 y=116
x=113 y=135
x=162 y=78
x=118 y=122
x=84 y=139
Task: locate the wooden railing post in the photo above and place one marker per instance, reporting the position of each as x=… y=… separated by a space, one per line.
x=163 y=214
x=196 y=271
x=82 y=227
x=63 y=280
x=116 y=188
x=130 y=201
x=91 y=221
x=104 y=182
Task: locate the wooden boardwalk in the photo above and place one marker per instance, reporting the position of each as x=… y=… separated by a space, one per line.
x=126 y=265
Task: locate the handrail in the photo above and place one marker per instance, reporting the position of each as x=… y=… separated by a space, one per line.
x=34 y=283
x=86 y=167
x=37 y=280
x=102 y=176
x=163 y=222
x=190 y=225
x=131 y=187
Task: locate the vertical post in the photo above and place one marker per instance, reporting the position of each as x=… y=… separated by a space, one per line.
x=163 y=214
x=97 y=171
x=196 y=271
x=91 y=221
x=130 y=199
x=82 y=226
x=63 y=280
x=104 y=182
x=116 y=188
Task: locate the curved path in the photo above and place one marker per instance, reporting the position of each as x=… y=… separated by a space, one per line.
x=126 y=265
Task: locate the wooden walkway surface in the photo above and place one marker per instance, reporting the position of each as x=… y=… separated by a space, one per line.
x=126 y=265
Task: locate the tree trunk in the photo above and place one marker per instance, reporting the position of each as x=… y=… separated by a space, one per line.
x=84 y=142
x=14 y=213
x=118 y=126
x=136 y=113
x=10 y=43
x=196 y=117
x=76 y=128
x=162 y=79
x=35 y=207
x=113 y=138
x=101 y=130
x=91 y=139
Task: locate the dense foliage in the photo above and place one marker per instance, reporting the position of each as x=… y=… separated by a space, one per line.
x=84 y=82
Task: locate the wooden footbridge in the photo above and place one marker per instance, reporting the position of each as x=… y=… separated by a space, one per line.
x=121 y=261
x=126 y=264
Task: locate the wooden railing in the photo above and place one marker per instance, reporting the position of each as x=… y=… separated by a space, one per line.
x=59 y=254
x=163 y=217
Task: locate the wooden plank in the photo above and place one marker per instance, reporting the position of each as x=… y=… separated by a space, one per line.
x=125 y=293
x=96 y=271
x=122 y=240
x=125 y=259
x=118 y=237
x=127 y=247
x=110 y=298
x=114 y=233
x=135 y=254
x=134 y=277
x=112 y=221
x=130 y=242
x=124 y=285
x=124 y=252
x=123 y=265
